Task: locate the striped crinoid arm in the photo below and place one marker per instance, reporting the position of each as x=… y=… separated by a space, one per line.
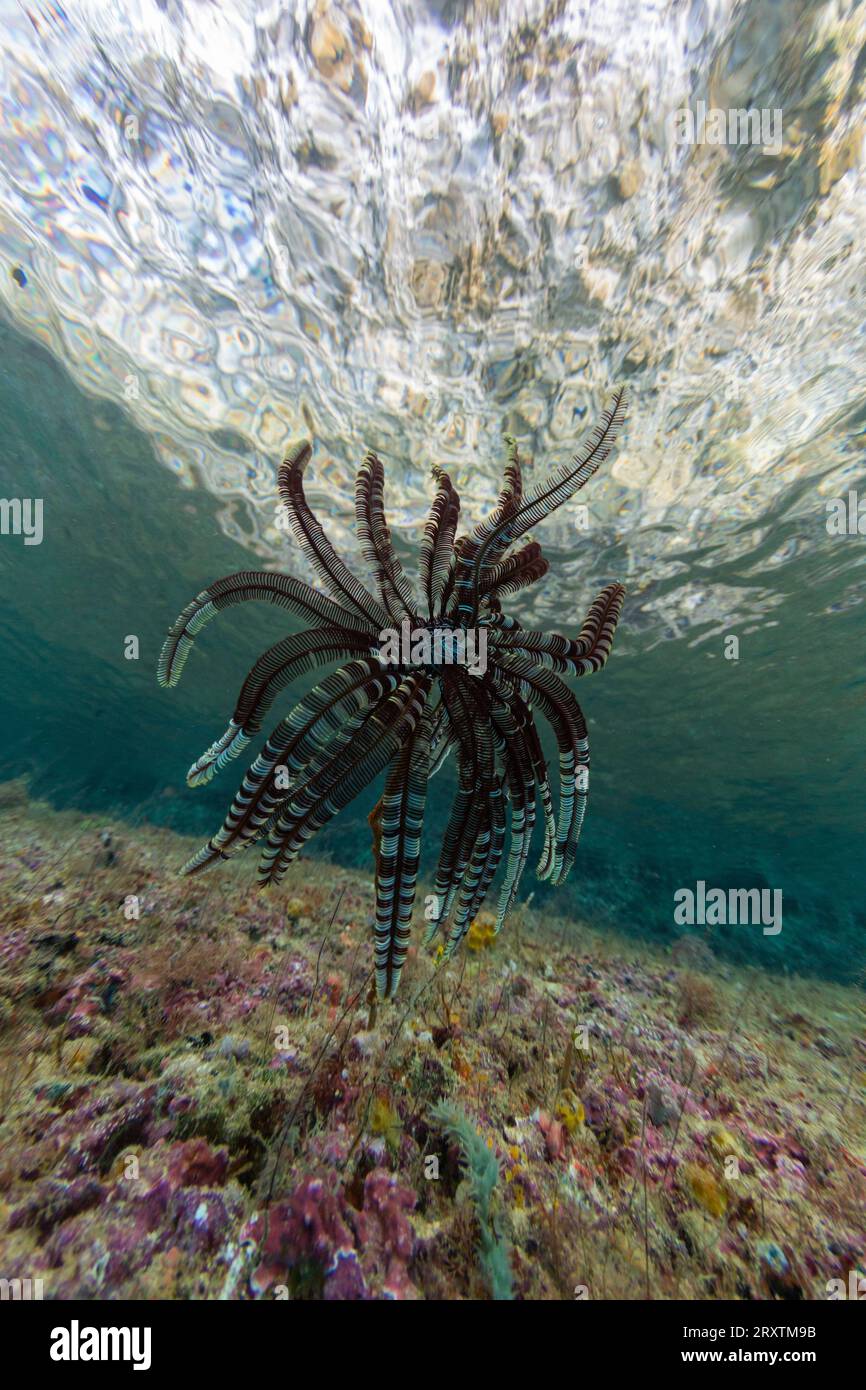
x=525 y=567
x=330 y=783
x=518 y=695
x=485 y=534
x=325 y=719
x=466 y=807
x=534 y=507
x=248 y=586
x=481 y=868
x=595 y=640
x=474 y=841
x=455 y=922
x=557 y=703
x=273 y=671
x=475 y=835
x=333 y=572
x=403 y=802
x=489 y=843
x=446 y=601
x=437 y=542
x=572 y=657
x=374 y=538
x=513 y=722
x=506 y=505
x=442 y=739
x=449 y=869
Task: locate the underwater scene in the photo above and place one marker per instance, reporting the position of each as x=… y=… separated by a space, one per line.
x=433 y=701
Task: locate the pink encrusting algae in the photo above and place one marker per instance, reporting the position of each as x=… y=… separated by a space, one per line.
x=200 y=1096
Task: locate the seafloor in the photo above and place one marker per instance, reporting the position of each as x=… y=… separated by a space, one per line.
x=200 y=1102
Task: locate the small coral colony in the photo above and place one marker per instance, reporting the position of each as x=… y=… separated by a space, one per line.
x=426 y=670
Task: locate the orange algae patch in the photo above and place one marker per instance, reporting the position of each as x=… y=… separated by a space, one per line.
x=705 y=1189
x=385 y=1122
x=570 y=1111
x=723 y=1144
x=460 y=1064
x=482 y=933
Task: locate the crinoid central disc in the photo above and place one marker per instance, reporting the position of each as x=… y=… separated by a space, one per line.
x=431 y=645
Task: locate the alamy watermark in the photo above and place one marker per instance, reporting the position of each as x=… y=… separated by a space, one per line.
x=438 y=646
x=715 y=126
x=846 y=516
x=854 y=1289
x=20 y=1289
x=22 y=516
x=735 y=907
x=77 y=1343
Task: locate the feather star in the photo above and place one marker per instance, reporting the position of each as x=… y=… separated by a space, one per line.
x=405 y=705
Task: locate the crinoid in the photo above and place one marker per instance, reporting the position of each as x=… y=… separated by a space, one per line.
x=420 y=677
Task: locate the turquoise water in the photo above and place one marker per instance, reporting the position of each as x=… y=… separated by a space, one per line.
x=741 y=773
x=416 y=229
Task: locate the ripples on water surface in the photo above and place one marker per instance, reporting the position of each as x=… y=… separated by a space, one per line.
x=416 y=227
